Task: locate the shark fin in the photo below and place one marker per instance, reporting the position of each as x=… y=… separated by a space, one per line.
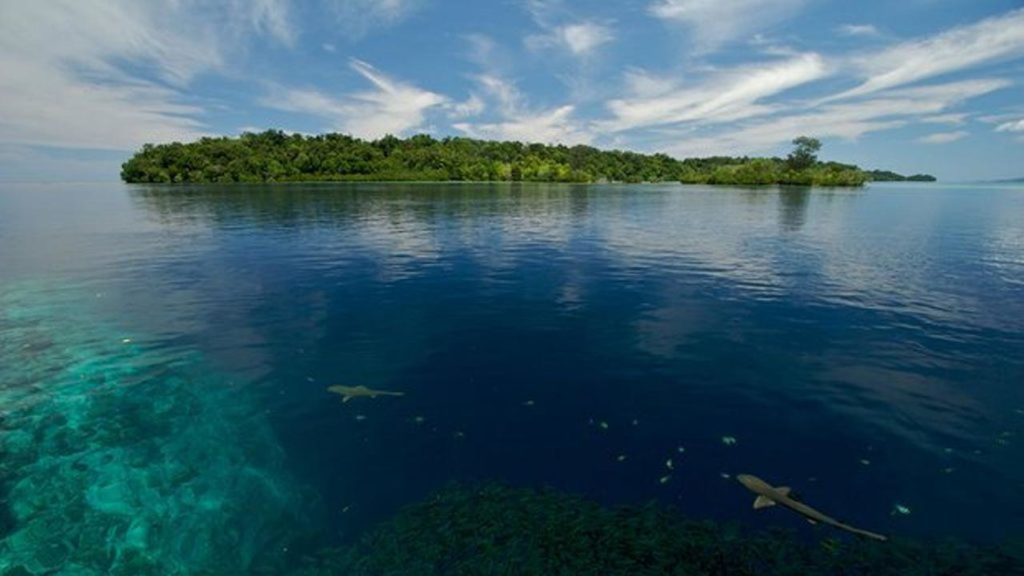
x=784 y=490
x=763 y=502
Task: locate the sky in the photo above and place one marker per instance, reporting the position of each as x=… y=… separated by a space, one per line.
x=931 y=86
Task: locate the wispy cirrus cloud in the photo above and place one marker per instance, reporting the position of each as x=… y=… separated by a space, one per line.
x=356 y=18
x=111 y=74
x=472 y=106
x=391 y=107
x=561 y=28
x=990 y=40
x=847 y=120
x=517 y=120
x=1012 y=126
x=579 y=39
x=725 y=96
x=713 y=23
x=943 y=137
x=858 y=30
x=952 y=118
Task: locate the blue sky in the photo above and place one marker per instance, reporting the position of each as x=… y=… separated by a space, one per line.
x=917 y=85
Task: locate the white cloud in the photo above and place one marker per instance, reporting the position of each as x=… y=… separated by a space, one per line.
x=584 y=37
x=847 y=120
x=713 y=23
x=858 y=30
x=358 y=17
x=952 y=118
x=726 y=96
x=579 y=39
x=269 y=16
x=393 y=107
x=111 y=73
x=552 y=126
x=510 y=100
x=990 y=40
x=942 y=137
x=518 y=121
x=1012 y=126
x=472 y=106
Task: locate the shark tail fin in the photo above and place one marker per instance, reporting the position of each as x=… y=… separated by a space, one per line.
x=784 y=490
x=763 y=502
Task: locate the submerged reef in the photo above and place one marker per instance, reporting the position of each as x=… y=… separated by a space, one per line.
x=116 y=459
x=489 y=529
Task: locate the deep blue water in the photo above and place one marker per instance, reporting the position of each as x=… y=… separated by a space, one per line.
x=166 y=353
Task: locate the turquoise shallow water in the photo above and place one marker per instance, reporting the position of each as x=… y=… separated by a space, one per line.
x=166 y=353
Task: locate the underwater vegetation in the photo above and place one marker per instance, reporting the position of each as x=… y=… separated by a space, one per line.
x=116 y=462
x=492 y=529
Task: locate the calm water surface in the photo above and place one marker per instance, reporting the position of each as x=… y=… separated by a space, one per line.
x=166 y=352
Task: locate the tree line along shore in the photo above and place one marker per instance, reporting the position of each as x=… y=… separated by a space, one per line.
x=274 y=156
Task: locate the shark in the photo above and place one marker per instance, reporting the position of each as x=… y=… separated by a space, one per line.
x=349 y=392
x=768 y=495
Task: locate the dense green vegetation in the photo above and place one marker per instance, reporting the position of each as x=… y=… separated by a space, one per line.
x=274 y=156
x=890 y=176
x=496 y=530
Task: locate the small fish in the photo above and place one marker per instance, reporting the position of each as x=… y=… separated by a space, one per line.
x=345 y=509
x=948 y=470
x=603 y=425
x=865 y=462
x=349 y=392
x=528 y=403
x=126 y=340
x=664 y=479
x=459 y=434
x=621 y=458
x=360 y=417
x=680 y=449
x=419 y=419
x=725 y=476
x=768 y=495
x=900 y=509
x=729 y=440
x=668 y=464
x=636 y=422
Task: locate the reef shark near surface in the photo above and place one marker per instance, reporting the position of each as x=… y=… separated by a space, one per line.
x=349 y=392
x=768 y=495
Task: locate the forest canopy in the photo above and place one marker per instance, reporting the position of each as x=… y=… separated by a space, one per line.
x=274 y=156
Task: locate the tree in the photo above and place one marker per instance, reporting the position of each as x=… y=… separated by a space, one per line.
x=275 y=156
x=805 y=154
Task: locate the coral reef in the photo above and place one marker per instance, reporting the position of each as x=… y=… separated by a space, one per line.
x=496 y=530
x=118 y=459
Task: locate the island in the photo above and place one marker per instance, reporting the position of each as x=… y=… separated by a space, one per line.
x=890 y=176
x=275 y=156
